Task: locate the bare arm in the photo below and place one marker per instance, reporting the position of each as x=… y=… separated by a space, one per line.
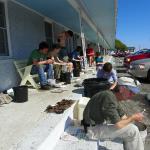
x=127 y=120
x=113 y=85
x=49 y=61
x=58 y=60
x=76 y=59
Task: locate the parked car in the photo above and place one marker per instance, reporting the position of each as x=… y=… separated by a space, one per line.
x=142 y=54
x=140 y=68
x=120 y=54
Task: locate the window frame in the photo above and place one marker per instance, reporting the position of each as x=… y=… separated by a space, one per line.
x=7 y=31
x=50 y=21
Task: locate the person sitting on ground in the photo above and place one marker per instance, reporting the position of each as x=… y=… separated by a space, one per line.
x=90 y=55
x=99 y=60
x=76 y=58
x=107 y=72
x=41 y=64
x=103 y=119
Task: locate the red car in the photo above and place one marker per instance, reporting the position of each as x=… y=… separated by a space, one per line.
x=141 y=54
x=120 y=54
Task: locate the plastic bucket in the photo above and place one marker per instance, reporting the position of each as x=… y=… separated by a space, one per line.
x=94 y=85
x=65 y=77
x=76 y=72
x=81 y=106
x=20 y=94
x=68 y=77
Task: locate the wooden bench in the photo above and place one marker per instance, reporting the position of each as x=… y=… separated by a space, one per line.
x=25 y=73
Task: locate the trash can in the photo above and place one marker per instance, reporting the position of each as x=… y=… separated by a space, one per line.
x=20 y=94
x=94 y=85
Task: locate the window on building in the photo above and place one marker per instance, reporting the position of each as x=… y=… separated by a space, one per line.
x=49 y=33
x=3 y=32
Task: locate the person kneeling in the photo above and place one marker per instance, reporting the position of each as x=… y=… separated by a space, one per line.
x=107 y=72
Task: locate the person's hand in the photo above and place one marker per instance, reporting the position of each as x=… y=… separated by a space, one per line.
x=124 y=117
x=63 y=63
x=138 y=117
x=111 y=88
x=81 y=59
x=50 y=61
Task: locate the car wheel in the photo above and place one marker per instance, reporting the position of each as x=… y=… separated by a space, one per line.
x=148 y=75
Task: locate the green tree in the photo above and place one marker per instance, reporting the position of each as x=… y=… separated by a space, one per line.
x=120 y=45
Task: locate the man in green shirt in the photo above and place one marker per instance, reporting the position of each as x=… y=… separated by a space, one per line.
x=103 y=119
x=41 y=64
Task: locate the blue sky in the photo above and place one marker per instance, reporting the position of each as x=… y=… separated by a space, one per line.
x=133 y=23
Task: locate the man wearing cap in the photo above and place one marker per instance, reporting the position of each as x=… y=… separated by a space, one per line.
x=104 y=119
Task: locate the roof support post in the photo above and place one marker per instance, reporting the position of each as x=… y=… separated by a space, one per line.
x=82 y=39
x=99 y=49
x=98 y=44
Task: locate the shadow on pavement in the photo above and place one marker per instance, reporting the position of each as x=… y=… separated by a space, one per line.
x=79 y=91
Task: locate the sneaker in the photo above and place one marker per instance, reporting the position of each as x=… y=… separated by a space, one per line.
x=45 y=87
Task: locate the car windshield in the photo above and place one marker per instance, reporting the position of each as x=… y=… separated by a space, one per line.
x=142 y=51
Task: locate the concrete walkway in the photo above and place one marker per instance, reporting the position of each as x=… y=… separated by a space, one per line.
x=17 y=119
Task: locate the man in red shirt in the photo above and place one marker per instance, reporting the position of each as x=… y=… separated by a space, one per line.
x=90 y=55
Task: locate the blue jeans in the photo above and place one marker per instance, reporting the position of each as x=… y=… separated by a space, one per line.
x=41 y=69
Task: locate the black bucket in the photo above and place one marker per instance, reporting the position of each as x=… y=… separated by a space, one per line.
x=68 y=77
x=94 y=85
x=76 y=72
x=143 y=130
x=65 y=77
x=20 y=94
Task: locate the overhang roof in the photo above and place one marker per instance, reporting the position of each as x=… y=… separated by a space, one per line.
x=103 y=14
x=100 y=12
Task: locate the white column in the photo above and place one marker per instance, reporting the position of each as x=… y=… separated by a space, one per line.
x=82 y=39
x=99 y=49
x=98 y=45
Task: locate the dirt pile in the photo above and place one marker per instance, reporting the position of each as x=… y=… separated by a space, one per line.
x=60 y=107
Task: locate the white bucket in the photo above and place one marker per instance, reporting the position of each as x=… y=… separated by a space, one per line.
x=81 y=106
